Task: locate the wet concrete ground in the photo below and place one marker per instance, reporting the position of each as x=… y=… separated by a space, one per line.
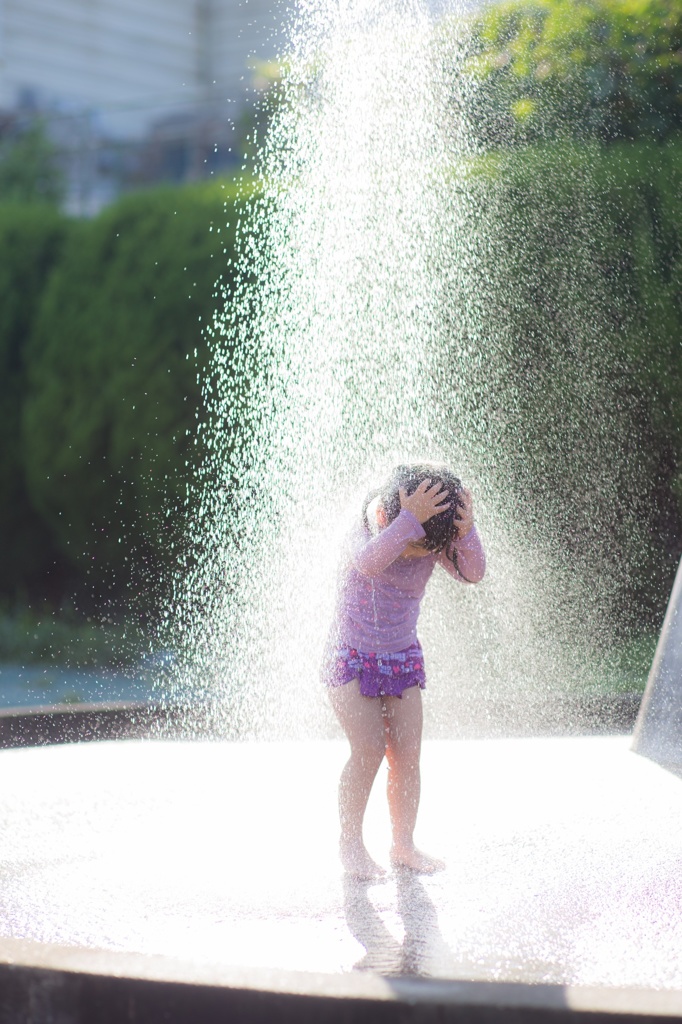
x=564 y=860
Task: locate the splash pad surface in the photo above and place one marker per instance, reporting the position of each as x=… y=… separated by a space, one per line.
x=563 y=860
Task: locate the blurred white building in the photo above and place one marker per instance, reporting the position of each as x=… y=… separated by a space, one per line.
x=146 y=87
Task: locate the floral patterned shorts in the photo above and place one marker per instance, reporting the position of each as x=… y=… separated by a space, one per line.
x=380 y=675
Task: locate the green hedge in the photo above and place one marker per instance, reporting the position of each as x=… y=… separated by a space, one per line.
x=32 y=239
x=113 y=366
x=579 y=278
x=578 y=290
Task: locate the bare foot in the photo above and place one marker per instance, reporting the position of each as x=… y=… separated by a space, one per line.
x=357 y=862
x=409 y=858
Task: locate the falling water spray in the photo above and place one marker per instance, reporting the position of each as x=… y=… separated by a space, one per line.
x=369 y=326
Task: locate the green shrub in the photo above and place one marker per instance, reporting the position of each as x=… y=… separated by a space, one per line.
x=32 y=238
x=579 y=285
x=113 y=385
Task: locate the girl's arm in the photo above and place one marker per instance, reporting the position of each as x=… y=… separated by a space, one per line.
x=371 y=555
x=470 y=558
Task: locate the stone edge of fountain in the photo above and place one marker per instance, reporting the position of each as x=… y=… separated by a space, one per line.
x=78 y=723
x=41 y=982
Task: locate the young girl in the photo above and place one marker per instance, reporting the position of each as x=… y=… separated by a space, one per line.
x=374 y=666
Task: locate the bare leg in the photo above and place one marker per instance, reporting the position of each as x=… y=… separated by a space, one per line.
x=363 y=724
x=403 y=724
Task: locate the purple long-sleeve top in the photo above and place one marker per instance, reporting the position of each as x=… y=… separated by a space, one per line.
x=380 y=593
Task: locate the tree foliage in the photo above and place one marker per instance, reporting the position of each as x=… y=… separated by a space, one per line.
x=29 y=167
x=610 y=69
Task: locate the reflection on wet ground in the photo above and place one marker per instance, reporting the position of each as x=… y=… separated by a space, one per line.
x=563 y=857
x=422 y=951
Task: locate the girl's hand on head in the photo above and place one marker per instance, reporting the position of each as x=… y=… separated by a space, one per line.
x=465 y=514
x=427 y=501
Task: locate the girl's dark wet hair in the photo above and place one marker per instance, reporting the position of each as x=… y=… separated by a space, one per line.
x=442 y=528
